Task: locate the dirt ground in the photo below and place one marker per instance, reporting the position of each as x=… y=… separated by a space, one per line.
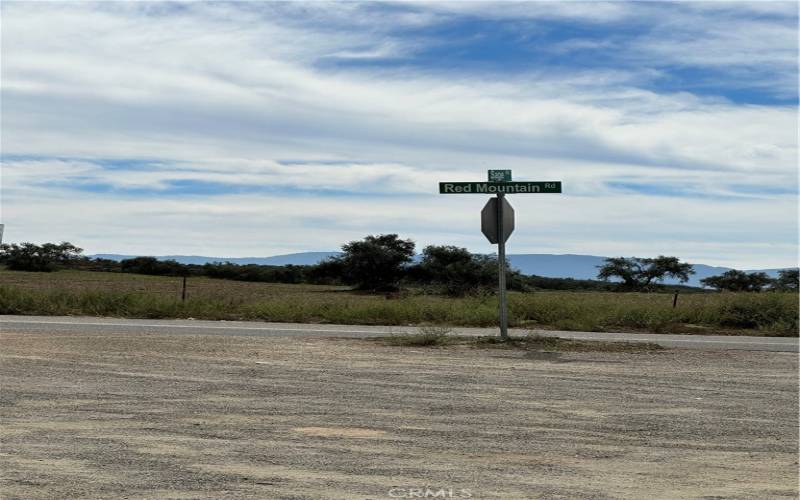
x=162 y=416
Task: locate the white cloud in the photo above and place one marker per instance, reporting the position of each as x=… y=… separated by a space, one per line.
x=591 y=12
x=222 y=93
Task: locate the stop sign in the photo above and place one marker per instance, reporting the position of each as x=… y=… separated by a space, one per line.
x=489 y=220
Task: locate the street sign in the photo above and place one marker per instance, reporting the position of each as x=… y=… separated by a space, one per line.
x=499 y=187
x=497 y=219
x=499 y=176
x=489 y=219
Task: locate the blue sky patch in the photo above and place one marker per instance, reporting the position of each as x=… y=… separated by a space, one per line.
x=469 y=45
x=193 y=187
x=736 y=191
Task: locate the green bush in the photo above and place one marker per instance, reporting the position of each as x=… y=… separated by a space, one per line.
x=769 y=311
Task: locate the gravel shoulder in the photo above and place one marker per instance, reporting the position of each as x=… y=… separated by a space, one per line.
x=97 y=415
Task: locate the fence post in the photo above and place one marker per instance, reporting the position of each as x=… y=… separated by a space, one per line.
x=183 y=290
x=675 y=300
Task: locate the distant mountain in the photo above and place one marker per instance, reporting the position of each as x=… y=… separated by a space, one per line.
x=585 y=267
x=540 y=264
x=298 y=259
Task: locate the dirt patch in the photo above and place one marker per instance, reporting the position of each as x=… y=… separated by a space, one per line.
x=343 y=432
x=181 y=416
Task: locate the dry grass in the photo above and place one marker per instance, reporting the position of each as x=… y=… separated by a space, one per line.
x=136 y=296
x=165 y=287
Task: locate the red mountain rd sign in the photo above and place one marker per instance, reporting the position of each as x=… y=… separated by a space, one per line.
x=499 y=187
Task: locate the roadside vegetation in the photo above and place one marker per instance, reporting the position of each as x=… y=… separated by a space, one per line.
x=377 y=281
x=138 y=296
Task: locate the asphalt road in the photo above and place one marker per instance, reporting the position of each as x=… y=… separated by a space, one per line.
x=69 y=324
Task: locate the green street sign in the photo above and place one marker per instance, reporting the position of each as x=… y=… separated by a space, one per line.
x=499 y=176
x=497 y=219
x=499 y=187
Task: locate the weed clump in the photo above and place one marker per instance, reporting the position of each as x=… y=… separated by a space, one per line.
x=534 y=343
x=426 y=337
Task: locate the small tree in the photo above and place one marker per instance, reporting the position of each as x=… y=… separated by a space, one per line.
x=153 y=266
x=738 y=281
x=329 y=271
x=640 y=274
x=787 y=280
x=376 y=263
x=456 y=270
x=44 y=258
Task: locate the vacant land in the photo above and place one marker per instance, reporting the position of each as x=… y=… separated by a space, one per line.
x=183 y=416
x=137 y=296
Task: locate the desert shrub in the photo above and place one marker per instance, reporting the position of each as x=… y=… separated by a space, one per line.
x=770 y=311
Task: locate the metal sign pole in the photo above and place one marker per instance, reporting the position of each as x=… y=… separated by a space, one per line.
x=501 y=267
x=497 y=219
